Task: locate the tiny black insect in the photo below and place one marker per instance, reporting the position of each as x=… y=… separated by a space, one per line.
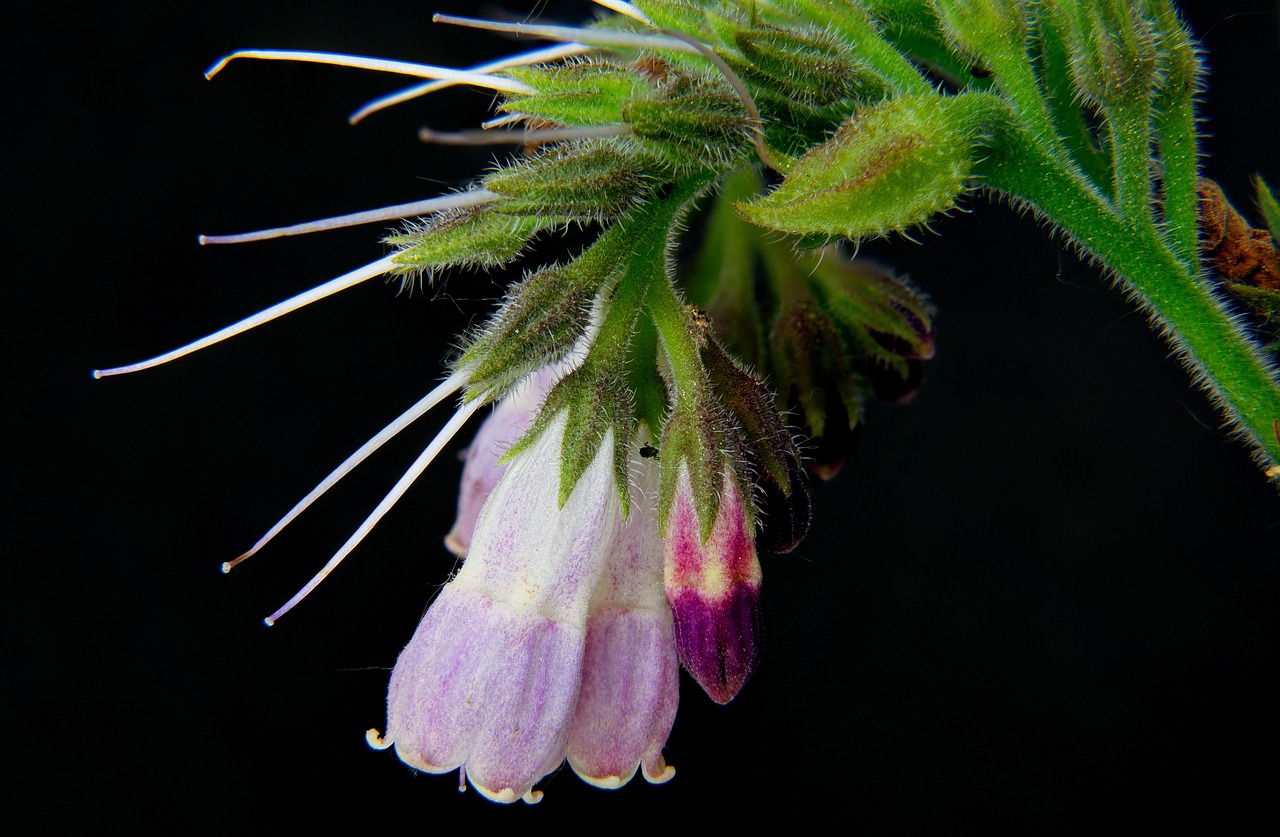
x=648 y=451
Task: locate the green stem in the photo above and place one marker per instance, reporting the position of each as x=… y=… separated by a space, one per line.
x=1222 y=357
x=1060 y=93
x=1130 y=123
x=674 y=328
x=1176 y=139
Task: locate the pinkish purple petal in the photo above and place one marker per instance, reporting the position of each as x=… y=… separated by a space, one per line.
x=631 y=675
x=501 y=707
x=490 y=680
x=630 y=692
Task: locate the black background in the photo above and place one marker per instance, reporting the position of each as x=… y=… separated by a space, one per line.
x=1041 y=597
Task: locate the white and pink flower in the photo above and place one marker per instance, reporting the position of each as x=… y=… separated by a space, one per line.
x=554 y=640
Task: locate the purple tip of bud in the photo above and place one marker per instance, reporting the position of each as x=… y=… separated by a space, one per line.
x=925 y=336
x=892 y=387
x=784 y=519
x=827 y=454
x=718 y=637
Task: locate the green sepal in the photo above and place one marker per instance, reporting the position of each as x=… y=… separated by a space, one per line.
x=695 y=437
x=472 y=237
x=888 y=168
x=807 y=66
x=864 y=298
x=646 y=380
x=586 y=93
x=539 y=323
x=1114 y=55
x=980 y=29
x=690 y=124
x=912 y=26
x=677 y=15
x=810 y=364
x=598 y=407
x=1267 y=205
x=760 y=427
x=589 y=181
x=720 y=276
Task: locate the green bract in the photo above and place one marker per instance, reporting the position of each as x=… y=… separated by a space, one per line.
x=890 y=167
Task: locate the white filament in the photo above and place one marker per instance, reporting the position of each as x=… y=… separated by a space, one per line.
x=451 y=385
x=537 y=56
x=472 y=197
x=624 y=8
x=532 y=137
x=505 y=119
x=397 y=491
x=404 y=68
x=329 y=288
x=595 y=37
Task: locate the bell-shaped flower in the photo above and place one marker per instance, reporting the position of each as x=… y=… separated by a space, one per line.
x=490 y=680
x=630 y=675
x=554 y=640
x=714 y=588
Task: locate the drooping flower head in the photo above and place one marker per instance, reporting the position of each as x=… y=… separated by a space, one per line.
x=612 y=503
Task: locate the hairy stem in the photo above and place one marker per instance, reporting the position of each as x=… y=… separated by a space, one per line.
x=1219 y=354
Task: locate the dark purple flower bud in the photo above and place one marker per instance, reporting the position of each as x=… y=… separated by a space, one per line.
x=784 y=517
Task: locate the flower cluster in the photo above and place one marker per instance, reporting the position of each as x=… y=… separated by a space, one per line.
x=613 y=503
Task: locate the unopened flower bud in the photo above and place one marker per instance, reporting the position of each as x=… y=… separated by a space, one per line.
x=714 y=589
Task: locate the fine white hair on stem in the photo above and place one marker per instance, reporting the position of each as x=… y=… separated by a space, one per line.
x=542 y=55
x=624 y=8
x=531 y=137
x=449 y=386
x=595 y=37
x=419 y=465
x=319 y=292
x=472 y=197
x=404 y=68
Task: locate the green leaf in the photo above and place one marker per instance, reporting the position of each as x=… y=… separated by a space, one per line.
x=888 y=168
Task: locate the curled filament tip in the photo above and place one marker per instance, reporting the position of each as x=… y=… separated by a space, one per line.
x=451 y=385
x=404 y=68
x=397 y=491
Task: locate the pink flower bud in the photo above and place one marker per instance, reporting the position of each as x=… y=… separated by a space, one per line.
x=714 y=589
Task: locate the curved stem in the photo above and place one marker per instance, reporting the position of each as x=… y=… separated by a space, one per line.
x=1219 y=354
